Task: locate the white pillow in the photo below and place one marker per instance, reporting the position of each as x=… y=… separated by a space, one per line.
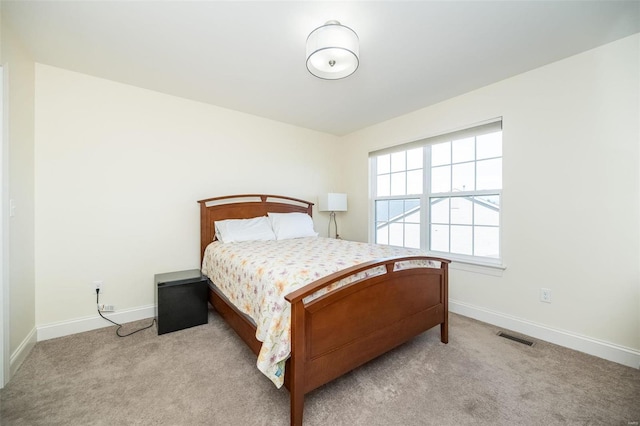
x=292 y=225
x=235 y=230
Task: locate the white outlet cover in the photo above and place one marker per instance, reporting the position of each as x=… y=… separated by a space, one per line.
x=545 y=295
x=96 y=283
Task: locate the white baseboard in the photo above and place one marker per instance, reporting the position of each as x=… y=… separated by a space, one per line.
x=609 y=351
x=20 y=354
x=65 y=328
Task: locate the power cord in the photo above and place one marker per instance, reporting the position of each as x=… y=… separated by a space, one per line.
x=113 y=322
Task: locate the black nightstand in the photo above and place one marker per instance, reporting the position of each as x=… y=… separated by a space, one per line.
x=181 y=300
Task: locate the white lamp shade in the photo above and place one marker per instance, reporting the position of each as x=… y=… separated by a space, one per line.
x=333 y=202
x=332 y=51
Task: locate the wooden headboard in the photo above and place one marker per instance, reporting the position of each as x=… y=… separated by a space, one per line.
x=243 y=207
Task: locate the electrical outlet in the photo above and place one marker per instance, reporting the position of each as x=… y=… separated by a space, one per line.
x=97 y=285
x=102 y=307
x=545 y=295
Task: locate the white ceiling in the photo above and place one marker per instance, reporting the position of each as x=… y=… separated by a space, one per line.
x=249 y=55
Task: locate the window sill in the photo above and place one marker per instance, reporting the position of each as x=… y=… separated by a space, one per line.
x=479 y=268
x=470 y=264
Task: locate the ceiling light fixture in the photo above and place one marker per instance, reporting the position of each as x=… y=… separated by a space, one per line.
x=332 y=51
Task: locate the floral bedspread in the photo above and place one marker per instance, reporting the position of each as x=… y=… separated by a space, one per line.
x=256 y=275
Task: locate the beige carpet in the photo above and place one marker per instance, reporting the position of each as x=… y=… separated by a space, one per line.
x=207 y=376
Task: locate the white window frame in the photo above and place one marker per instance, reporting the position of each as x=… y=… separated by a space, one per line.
x=425 y=225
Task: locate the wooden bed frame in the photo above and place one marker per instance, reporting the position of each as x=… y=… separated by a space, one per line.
x=347 y=327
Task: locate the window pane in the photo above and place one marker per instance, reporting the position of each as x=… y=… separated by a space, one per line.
x=414 y=182
x=441 y=179
x=441 y=154
x=398 y=162
x=487 y=241
x=396 y=234
x=461 y=239
x=413 y=217
x=439 y=238
x=463 y=178
x=412 y=211
x=396 y=209
x=382 y=233
x=383 y=186
x=383 y=164
x=490 y=174
x=411 y=203
x=461 y=211
x=463 y=150
x=412 y=235
x=398 y=183
x=487 y=210
x=414 y=158
x=382 y=211
x=439 y=210
x=489 y=145
x=401 y=210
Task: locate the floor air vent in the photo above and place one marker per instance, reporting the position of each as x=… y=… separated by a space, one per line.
x=515 y=338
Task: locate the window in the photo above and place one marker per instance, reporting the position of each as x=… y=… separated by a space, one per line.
x=442 y=194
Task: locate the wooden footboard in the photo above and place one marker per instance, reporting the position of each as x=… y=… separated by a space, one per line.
x=344 y=329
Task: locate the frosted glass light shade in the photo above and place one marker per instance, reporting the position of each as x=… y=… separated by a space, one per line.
x=333 y=51
x=333 y=202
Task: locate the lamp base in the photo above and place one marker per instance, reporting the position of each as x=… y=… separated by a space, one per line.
x=332 y=217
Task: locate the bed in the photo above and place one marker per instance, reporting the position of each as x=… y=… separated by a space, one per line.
x=334 y=322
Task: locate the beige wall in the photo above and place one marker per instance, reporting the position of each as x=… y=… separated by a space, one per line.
x=18 y=131
x=571 y=196
x=118 y=171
